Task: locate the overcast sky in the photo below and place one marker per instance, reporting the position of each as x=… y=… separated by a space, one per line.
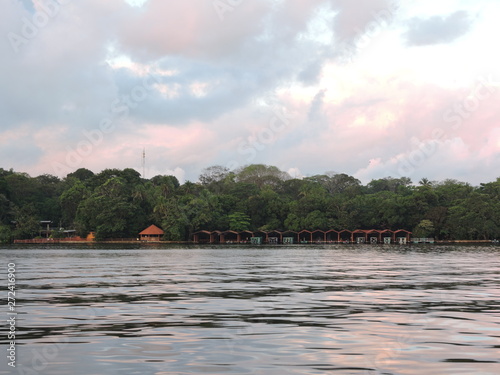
x=371 y=88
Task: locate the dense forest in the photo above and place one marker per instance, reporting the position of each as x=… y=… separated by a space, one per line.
x=119 y=204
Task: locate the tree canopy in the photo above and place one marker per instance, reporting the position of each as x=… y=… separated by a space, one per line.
x=119 y=203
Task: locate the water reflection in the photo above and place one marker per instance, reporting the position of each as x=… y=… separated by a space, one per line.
x=296 y=310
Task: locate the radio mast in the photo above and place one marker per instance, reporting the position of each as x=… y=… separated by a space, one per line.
x=144 y=162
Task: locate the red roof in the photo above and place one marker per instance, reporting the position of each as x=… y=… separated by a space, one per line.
x=153 y=229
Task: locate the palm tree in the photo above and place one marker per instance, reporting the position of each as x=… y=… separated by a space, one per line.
x=425 y=182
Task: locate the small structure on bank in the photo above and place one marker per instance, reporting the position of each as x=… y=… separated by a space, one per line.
x=151 y=234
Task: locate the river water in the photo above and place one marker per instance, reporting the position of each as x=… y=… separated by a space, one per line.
x=342 y=309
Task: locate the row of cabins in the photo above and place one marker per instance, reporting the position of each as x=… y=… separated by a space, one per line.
x=155 y=234
x=372 y=236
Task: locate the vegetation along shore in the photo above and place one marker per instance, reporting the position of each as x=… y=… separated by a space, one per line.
x=119 y=204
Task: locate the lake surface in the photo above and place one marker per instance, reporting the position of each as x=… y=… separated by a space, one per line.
x=341 y=309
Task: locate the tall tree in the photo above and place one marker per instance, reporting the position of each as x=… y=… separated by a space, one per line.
x=261 y=175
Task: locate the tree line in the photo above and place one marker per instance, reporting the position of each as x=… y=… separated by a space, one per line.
x=119 y=204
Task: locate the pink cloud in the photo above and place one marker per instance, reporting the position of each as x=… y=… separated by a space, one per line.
x=190 y=28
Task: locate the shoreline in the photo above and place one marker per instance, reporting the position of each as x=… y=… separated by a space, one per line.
x=139 y=242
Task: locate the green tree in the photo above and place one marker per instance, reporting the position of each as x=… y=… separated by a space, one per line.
x=173 y=219
x=315 y=220
x=216 y=178
x=293 y=222
x=5 y=234
x=70 y=199
x=475 y=218
x=424 y=229
x=267 y=210
x=389 y=184
x=6 y=210
x=262 y=175
x=337 y=183
x=110 y=211
x=27 y=224
x=239 y=221
x=82 y=174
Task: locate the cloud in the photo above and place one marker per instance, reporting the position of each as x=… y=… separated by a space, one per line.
x=354 y=16
x=438 y=29
x=354 y=93
x=316 y=109
x=434 y=160
x=63 y=75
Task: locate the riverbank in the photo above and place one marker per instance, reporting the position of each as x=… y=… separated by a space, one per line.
x=53 y=241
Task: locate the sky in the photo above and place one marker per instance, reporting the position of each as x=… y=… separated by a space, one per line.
x=370 y=88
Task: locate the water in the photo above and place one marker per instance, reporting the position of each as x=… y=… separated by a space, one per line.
x=342 y=309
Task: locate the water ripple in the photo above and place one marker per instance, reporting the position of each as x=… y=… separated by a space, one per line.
x=294 y=310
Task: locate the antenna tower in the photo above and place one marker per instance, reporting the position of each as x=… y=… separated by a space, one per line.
x=144 y=162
